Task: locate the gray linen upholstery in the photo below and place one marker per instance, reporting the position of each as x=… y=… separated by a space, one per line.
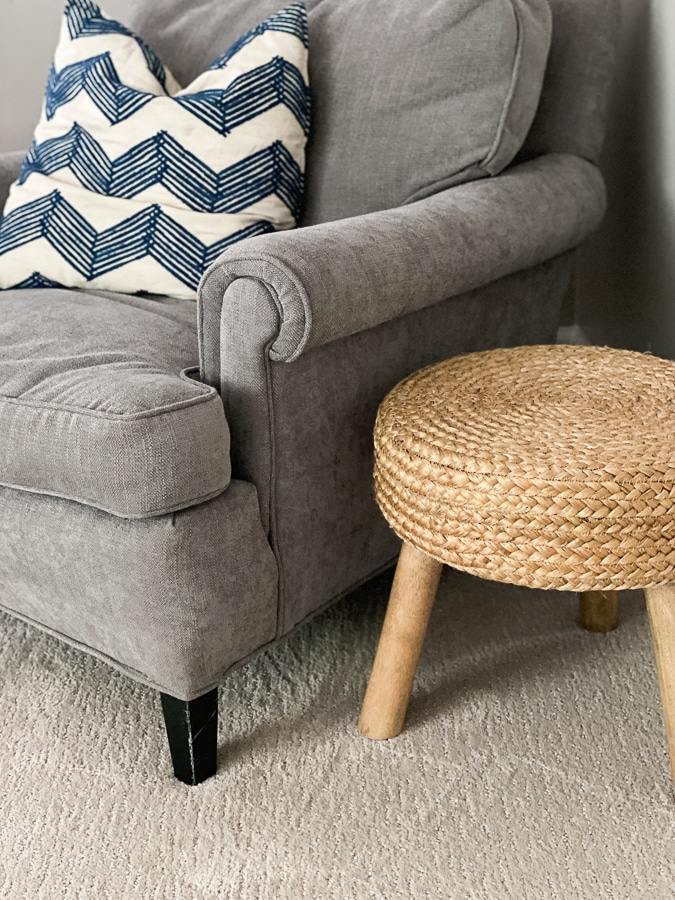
x=302 y=431
x=174 y=601
x=404 y=259
x=94 y=406
x=409 y=98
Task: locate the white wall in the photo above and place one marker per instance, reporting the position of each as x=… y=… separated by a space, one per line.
x=28 y=35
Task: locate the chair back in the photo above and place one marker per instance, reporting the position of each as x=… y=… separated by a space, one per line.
x=361 y=157
x=572 y=112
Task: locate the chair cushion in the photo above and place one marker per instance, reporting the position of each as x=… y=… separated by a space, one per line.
x=407 y=97
x=134 y=184
x=96 y=404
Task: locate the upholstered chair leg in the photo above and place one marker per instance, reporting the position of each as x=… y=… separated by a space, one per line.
x=599 y=611
x=412 y=596
x=192 y=729
x=661 y=609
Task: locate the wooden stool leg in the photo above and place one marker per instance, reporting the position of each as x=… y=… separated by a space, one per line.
x=661 y=609
x=599 y=611
x=412 y=596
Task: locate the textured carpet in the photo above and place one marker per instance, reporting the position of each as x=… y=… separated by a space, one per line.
x=533 y=765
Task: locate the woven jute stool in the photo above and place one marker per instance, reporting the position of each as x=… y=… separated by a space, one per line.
x=550 y=467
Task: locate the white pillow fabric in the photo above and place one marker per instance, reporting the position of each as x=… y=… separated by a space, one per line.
x=136 y=184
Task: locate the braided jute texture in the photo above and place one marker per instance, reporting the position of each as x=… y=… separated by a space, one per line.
x=549 y=466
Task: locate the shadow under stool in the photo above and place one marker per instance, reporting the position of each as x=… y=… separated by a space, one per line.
x=547 y=466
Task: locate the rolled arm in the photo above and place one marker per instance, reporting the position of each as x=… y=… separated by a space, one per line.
x=339 y=278
x=10 y=166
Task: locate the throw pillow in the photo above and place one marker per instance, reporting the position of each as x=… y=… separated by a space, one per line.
x=133 y=183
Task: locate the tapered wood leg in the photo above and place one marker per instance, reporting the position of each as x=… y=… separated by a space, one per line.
x=599 y=611
x=192 y=729
x=391 y=681
x=661 y=609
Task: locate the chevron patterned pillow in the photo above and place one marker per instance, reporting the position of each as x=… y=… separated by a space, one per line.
x=133 y=183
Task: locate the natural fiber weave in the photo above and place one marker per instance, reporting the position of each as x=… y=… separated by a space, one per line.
x=549 y=467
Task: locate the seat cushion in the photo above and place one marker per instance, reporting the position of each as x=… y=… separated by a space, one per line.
x=98 y=402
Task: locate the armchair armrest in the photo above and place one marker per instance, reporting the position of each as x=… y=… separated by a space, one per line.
x=10 y=166
x=339 y=278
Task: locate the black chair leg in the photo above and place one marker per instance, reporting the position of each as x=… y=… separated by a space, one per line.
x=192 y=729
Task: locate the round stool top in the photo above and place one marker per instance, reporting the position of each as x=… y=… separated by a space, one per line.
x=549 y=466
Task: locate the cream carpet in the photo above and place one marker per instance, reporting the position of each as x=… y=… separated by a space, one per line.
x=533 y=766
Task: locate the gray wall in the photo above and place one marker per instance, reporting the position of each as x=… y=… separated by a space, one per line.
x=626 y=283
x=626 y=292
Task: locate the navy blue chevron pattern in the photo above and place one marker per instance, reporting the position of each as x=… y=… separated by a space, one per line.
x=162 y=159
x=253 y=93
x=150 y=232
x=98 y=77
x=250 y=95
x=85 y=19
x=36 y=280
x=108 y=162
x=292 y=20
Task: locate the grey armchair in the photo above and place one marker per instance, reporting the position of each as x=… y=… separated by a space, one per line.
x=176 y=552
